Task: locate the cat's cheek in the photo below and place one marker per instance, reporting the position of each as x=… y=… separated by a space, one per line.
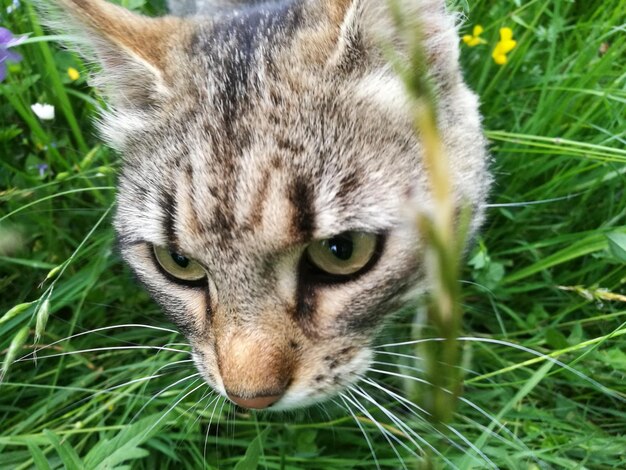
x=318 y=381
x=205 y=360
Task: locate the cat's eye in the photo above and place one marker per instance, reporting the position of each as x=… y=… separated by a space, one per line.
x=344 y=254
x=178 y=266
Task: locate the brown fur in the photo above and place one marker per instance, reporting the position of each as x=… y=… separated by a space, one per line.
x=248 y=136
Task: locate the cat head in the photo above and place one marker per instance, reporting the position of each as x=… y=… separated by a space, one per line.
x=270 y=163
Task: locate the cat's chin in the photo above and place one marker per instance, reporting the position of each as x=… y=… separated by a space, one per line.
x=304 y=390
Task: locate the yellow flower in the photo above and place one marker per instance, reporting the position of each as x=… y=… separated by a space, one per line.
x=73 y=74
x=474 y=39
x=504 y=46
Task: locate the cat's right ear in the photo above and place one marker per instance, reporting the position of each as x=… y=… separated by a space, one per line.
x=359 y=30
x=134 y=53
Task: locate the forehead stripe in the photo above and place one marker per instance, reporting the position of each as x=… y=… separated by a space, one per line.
x=168 y=205
x=303 y=219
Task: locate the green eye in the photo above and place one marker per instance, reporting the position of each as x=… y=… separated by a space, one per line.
x=343 y=254
x=179 y=266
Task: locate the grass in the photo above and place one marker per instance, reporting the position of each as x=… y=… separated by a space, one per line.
x=544 y=351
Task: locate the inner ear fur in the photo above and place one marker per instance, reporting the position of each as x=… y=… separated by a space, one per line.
x=355 y=32
x=133 y=51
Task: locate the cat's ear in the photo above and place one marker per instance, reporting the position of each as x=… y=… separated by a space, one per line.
x=366 y=27
x=133 y=52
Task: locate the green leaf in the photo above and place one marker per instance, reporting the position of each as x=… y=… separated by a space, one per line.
x=480 y=260
x=615 y=358
x=556 y=339
x=65 y=450
x=8 y=133
x=38 y=457
x=250 y=461
x=617 y=245
x=305 y=442
x=110 y=453
x=133 y=5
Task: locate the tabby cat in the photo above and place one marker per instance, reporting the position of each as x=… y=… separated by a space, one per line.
x=269 y=158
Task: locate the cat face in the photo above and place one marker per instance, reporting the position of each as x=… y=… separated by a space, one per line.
x=270 y=170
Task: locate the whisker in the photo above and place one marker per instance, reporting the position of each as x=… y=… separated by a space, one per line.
x=207 y=395
x=538 y=354
x=322 y=408
x=108 y=348
x=417 y=358
x=206 y=437
x=162 y=392
x=406 y=402
x=402 y=376
x=217 y=425
x=532 y=203
x=365 y=434
x=401 y=425
x=96 y=330
x=400 y=366
x=492 y=418
x=501 y=426
x=214 y=400
x=471 y=445
x=386 y=434
x=130 y=382
x=176 y=404
x=177 y=344
x=97 y=393
x=397 y=396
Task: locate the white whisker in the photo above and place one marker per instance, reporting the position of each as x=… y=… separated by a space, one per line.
x=402 y=376
x=407 y=431
x=109 y=348
x=532 y=203
x=417 y=358
x=386 y=434
x=162 y=392
x=207 y=395
x=176 y=404
x=493 y=419
x=410 y=404
x=407 y=404
x=365 y=434
x=219 y=416
x=543 y=356
x=323 y=409
x=96 y=330
x=400 y=366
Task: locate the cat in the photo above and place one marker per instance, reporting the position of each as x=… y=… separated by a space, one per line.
x=269 y=157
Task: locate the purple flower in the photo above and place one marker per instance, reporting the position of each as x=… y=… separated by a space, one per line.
x=8 y=40
x=42 y=167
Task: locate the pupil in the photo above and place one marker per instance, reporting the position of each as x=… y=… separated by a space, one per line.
x=342 y=247
x=180 y=260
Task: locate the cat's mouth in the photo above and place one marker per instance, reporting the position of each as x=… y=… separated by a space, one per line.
x=261 y=386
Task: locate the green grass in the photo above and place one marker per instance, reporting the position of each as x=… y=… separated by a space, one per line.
x=547 y=277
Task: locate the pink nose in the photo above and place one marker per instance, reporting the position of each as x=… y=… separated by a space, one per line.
x=256 y=403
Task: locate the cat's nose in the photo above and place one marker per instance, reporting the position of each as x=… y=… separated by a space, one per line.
x=256 y=369
x=256 y=403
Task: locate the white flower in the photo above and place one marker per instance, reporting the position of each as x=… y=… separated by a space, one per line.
x=44 y=111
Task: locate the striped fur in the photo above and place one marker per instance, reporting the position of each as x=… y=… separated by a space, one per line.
x=248 y=133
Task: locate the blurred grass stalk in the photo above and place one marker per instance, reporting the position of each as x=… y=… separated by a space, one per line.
x=443 y=235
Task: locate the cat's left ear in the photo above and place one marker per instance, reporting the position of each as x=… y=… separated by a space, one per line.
x=366 y=27
x=134 y=52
